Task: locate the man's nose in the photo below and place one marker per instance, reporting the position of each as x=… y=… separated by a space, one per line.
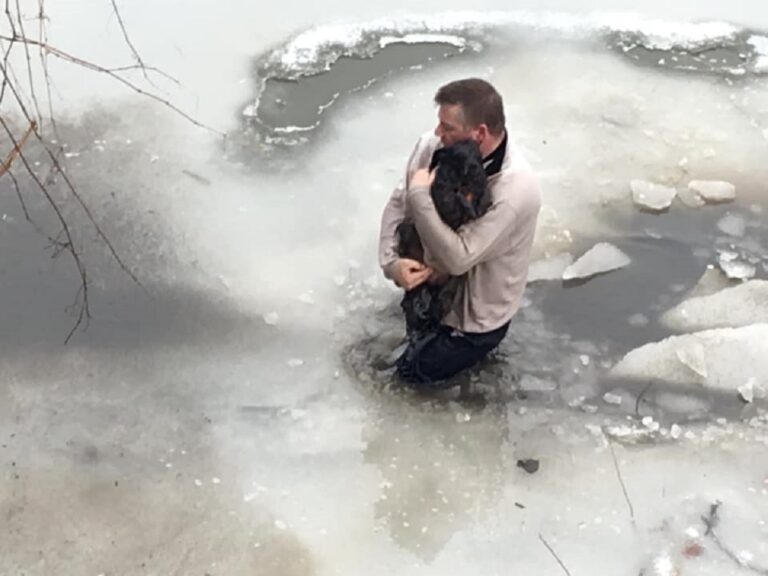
x=438 y=131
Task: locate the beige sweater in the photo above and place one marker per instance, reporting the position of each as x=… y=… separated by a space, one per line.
x=493 y=251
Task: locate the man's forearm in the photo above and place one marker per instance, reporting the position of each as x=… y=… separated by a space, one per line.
x=457 y=251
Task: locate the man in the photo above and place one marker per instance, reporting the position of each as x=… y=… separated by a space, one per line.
x=491 y=253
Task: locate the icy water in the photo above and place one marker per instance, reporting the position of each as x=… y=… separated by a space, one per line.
x=227 y=418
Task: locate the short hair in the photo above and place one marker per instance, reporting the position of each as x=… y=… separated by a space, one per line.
x=480 y=102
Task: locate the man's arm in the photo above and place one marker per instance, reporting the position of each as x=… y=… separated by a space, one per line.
x=458 y=251
x=405 y=272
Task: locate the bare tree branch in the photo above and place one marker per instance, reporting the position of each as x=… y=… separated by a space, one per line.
x=84 y=310
x=128 y=40
x=43 y=39
x=554 y=555
x=621 y=481
x=6 y=165
x=97 y=68
x=29 y=67
x=63 y=240
x=20 y=197
x=711 y=521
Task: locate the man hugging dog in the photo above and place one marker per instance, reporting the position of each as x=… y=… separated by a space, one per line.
x=459 y=243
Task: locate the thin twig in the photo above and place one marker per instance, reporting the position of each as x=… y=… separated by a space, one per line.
x=711 y=521
x=43 y=38
x=73 y=190
x=6 y=165
x=29 y=66
x=554 y=555
x=20 y=197
x=621 y=481
x=128 y=40
x=640 y=397
x=145 y=68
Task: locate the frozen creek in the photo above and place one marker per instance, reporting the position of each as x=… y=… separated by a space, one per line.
x=225 y=419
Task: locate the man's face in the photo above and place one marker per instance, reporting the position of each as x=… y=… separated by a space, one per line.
x=450 y=125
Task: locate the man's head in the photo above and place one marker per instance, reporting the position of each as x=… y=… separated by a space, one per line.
x=470 y=109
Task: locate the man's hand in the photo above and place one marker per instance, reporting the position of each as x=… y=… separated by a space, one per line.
x=422 y=177
x=409 y=273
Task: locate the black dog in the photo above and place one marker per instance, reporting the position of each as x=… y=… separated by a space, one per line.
x=460 y=196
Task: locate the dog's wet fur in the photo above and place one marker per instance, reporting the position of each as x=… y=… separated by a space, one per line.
x=460 y=196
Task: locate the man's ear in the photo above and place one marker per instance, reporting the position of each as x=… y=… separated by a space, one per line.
x=482 y=134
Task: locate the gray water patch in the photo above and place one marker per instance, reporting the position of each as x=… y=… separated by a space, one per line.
x=731 y=57
x=288 y=110
x=567 y=336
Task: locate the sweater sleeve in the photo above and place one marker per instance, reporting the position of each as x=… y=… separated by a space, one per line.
x=394 y=213
x=458 y=251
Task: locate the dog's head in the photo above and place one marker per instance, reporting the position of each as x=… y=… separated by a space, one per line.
x=459 y=188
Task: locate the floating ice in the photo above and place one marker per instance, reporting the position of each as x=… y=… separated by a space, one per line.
x=549 y=269
x=734 y=268
x=712 y=281
x=760 y=44
x=295 y=362
x=603 y=257
x=533 y=384
x=733 y=356
x=271 y=318
x=453 y=40
x=690 y=198
x=651 y=424
x=652 y=196
x=747 y=391
x=638 y=320
x=610 y=398
x=733 y=225
x=318 y=48
x=307 y=298
x=675 y=431
x=693 y=356
x=730 y=308
x=713 y=190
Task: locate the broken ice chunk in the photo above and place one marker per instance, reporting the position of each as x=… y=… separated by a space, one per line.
x=533 y=384
x=610 y=398
x=733 y=225
x=690 y=198
x=734 y=268
x=733 y=355
x=307 y=298
x=550 y=268
x=638 y=320
x=295 y=362
x=747 y=391
x=693 y=357
x=740 y=305
x=712 y=281
x=603 y=257
x=713 y=190
x=652 y=196
x=271 y=318
x=651 y=424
